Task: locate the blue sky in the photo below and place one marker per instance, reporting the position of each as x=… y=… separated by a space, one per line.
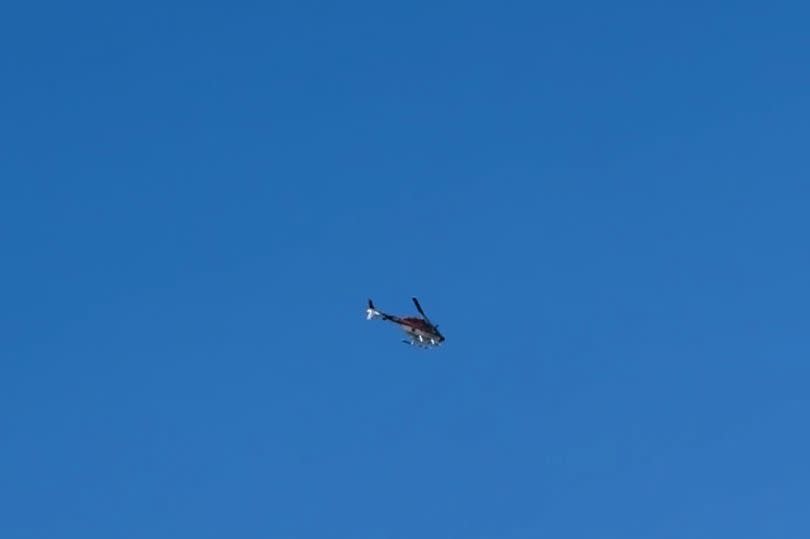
x=605 y=206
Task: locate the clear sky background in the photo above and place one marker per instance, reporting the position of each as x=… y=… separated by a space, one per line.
x=604 y=205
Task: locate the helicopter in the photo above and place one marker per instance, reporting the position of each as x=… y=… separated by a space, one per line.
x=421 y=331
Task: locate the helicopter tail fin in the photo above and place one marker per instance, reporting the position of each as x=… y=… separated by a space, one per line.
x=371 y=312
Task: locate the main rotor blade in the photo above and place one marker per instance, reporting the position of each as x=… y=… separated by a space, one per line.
x=419 y=308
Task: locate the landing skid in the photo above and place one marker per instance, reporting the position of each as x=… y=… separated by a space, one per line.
x=421 y=343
